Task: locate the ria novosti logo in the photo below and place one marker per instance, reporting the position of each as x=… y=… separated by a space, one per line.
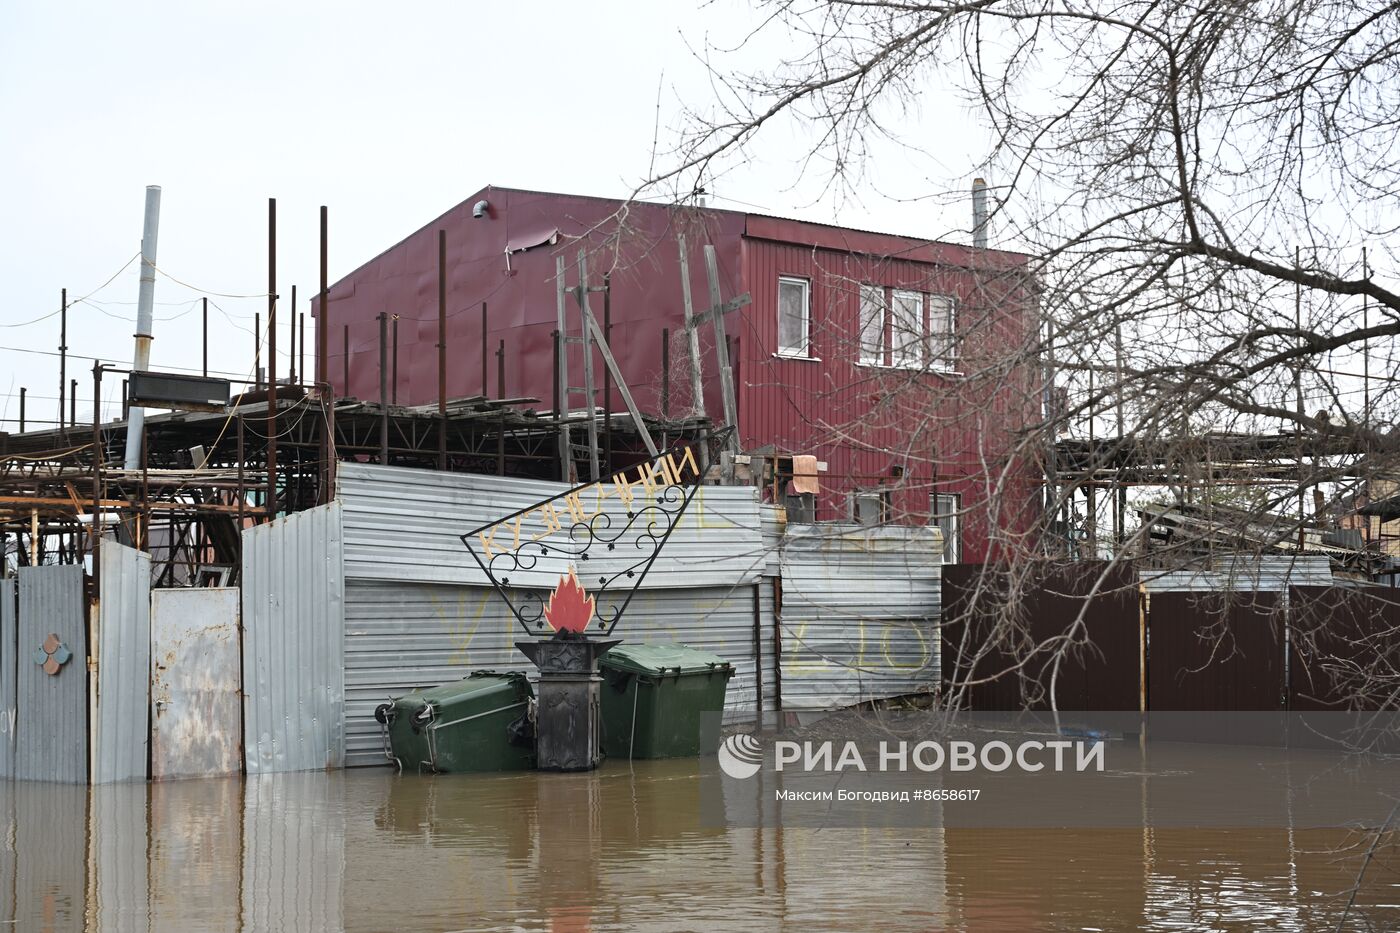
x=741 y=756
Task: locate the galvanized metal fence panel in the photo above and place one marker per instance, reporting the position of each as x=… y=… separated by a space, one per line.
x=194 y=676
x=402 y=636
x=859 y=613
x=9 y=647
x=405 y=525
x=293 y=643
x=123 y=647
x=1268 y=572
x=51 y=725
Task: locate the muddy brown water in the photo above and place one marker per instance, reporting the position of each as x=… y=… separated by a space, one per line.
x=624 y=848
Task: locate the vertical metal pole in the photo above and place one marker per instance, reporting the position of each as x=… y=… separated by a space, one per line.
x=556 y=338
x=205 y=331
x=241 y=494
x=323 y=328
x=301 y=345
x=607 y=376
x=73 y=403
x=96 y=528
x=257 y=350
x=292 y=353
x=394 y=387
x=272 y=357
x=442 y=349
x=485 y=351
x=126 y=407
x=595 y=471
x=345 y=364
x=22 y=392
x=501 y=371
x=62 y=357
x=383 y=388
x=666 y=372
x=1298 y=389
x=141 y=360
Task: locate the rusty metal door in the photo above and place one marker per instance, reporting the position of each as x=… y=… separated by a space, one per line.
x=195 y=704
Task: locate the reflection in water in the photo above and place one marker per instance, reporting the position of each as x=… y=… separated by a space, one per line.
x=620 y=849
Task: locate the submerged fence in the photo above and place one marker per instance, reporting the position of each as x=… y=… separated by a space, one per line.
x=1108 y=638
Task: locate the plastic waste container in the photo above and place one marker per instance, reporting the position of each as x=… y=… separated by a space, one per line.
x=653 y=698
x=481 y=723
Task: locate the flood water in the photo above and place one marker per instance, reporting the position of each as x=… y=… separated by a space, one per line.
x=624 y=849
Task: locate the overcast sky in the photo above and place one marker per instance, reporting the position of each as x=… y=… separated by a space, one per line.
x=388 y=114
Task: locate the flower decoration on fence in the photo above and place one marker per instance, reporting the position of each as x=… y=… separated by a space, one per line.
x=52 y=655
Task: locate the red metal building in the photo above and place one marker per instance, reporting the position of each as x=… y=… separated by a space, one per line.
x=893 y=360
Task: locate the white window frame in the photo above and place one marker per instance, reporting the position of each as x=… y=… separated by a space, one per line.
x=906 y=344
x=942 y=344
x=873 y=298
x=947 y=508
x=805 y=351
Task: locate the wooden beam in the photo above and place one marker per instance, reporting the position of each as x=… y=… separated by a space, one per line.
x=622 y=389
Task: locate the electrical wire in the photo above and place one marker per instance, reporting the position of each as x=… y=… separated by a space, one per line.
x=77 y=300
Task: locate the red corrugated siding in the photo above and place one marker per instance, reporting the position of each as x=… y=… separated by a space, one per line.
x=638 y=247
x=860 y=420
x=952 y=432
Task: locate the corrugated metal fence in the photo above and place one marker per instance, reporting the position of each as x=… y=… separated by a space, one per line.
x=9 y=646
x=51 y=725
x=124 y=665
x=293 y=634
x=859 y=612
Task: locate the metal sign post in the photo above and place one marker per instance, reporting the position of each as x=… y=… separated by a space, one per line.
x=602 y=538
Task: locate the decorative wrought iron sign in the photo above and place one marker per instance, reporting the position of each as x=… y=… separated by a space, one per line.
x=607 y=534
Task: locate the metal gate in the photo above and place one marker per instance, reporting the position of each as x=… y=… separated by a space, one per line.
x=52 y=690
x=195 y=704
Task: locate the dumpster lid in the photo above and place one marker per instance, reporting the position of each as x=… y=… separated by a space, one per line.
x=475 y=682
x=642 y=658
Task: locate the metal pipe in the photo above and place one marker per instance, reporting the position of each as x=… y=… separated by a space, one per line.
x=555 y=338
x=257 y=350
x=301 y=344
x=22 y=392
x=272 y=357
x=96 y=528
x=62 y=355
x=442 y=350
x=205 y=340
x=323 y=329
x=73 y=403
x=666 y=372
x=383 y=388
x=979 y=213
x=345 y=365
x=607 y=377
x=394 y=384
x=146 y=299
x=501 y=371
x=292 y=353
x=126 y=407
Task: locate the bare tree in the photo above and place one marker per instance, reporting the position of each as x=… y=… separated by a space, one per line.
x=1208 y=193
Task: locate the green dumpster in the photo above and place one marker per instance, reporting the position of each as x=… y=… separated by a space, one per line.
x=653 y=697
x=481 y=723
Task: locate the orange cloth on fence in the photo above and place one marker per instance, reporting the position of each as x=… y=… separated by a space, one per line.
x=804 y=474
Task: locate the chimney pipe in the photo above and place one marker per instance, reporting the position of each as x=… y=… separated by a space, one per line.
x=979 y=213
x=146 y=297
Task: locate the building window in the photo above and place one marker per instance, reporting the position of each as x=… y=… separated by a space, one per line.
x=941 y=332
x=871 y=506
x=873 y=309
x=794 y=316
x=906 y=329
x=947 y=516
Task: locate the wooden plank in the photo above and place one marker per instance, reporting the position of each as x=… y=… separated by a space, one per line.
x=592 y=427
x=692 y=336
x=726 y=374
x=622 y=389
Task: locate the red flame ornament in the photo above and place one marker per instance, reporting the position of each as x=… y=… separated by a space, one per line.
x=570 y=607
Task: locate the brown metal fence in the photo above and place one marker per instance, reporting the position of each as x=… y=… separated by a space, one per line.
x=1180 y=651
x=1006 y=638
